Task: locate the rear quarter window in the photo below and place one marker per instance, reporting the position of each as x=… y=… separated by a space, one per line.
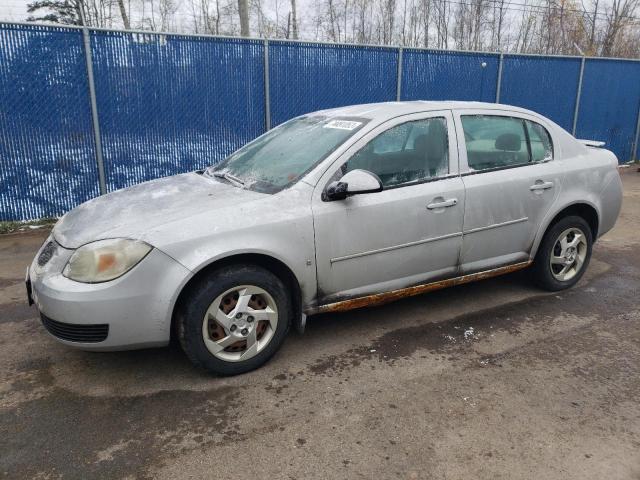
x=541 y=144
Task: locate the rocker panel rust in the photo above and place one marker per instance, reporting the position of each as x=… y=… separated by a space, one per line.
x=386 y=297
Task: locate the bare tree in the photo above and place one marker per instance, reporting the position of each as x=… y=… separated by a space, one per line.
x=388 y=21
x=425 y=14
x=597 y=27
x=618 y=17
x=442 y=11
x=97 y=13
x=243 y=14
x=206 y=18
x=590 y=19
x=497 y=24
x=526 y=32
x=294 y=20
x=123 y=14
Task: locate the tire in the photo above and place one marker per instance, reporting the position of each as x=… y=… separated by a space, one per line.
x=550 y=276
x=214 y=296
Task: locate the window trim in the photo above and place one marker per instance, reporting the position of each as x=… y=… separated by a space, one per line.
x=497 y=169
x=524 y=117
x=553 y=150
x=527 y=139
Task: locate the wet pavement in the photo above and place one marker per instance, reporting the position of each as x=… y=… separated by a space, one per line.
x=488 y=380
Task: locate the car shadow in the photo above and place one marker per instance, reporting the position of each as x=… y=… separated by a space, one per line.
x=168 y=367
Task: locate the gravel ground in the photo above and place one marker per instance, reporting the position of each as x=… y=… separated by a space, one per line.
x=489 y=380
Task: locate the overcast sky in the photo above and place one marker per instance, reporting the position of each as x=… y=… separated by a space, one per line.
x=13 y=10
x=16 y=10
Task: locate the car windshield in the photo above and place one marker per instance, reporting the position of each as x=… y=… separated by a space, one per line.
x=285 y=154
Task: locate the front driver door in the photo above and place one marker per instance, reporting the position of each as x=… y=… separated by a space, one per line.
x=407 y=234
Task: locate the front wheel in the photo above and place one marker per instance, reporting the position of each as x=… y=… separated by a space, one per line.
x=564 y=254
x=234 y=319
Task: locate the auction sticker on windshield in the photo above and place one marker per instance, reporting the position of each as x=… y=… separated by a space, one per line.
x=343 y=124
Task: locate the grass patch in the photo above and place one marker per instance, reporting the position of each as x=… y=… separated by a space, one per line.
x=13 y=227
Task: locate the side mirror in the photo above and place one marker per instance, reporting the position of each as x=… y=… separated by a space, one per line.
x=354 y=182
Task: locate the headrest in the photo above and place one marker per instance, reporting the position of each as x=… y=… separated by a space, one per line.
x=420 y=143
x=509 y=142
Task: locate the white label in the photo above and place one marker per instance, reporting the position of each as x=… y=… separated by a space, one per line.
x=343 y=124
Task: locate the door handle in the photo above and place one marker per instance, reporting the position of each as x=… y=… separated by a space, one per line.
x=443 y=204
x=540 y=185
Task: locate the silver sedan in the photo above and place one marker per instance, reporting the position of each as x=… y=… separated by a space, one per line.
x=330 y=211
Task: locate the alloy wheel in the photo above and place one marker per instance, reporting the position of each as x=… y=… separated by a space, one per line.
x=240 y=323
x=568 y=255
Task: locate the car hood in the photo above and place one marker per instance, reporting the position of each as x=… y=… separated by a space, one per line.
x=137 y=211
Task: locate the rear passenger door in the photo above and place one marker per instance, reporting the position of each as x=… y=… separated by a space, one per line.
x=506 y=164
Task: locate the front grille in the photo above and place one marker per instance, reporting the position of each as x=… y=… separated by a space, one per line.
x=76 y=333
x=46 y=253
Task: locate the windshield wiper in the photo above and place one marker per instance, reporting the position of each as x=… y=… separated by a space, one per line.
x=229 y=178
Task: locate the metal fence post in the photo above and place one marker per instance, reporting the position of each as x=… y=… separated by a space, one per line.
x=576 y=110
x=499 y=82
x=267 y=95
x=94 y=107
x=634 y=154
x=399 y=76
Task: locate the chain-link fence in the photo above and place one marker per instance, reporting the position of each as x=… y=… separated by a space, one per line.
x=88 y=111
x=304 y=77
x=47 y=150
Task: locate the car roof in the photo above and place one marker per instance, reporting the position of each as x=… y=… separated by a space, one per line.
x=386 y=110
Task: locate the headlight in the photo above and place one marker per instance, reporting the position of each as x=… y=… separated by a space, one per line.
x=105 y=260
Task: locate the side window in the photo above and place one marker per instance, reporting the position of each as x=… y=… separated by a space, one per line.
x=391 y=141
x=541 y=145
x=494 y=142
x=406 y=153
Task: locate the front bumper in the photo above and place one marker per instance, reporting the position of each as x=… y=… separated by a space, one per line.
x=137 y=307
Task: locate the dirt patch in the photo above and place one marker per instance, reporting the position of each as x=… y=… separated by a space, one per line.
x=457 y=334
x=141 y=429
x=8 y=282
x=17 y=312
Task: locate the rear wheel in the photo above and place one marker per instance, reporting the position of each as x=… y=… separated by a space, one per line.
x=234 y=319
x=564 y=254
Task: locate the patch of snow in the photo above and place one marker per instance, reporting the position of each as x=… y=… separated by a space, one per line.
x=469 y=333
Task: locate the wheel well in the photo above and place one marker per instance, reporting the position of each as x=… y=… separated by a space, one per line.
x=581 y=210
x=275 y=266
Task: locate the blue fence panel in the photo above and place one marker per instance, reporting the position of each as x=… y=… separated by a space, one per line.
x=547 y=85
x=437 y=75
x=170 y=104
x=305 y=77
x=174 y=103
x=609 y=104
x=47 y=156
x=637 y=139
